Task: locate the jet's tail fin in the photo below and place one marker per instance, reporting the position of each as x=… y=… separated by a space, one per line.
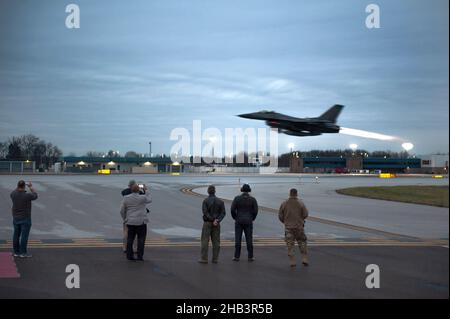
x=332 y=113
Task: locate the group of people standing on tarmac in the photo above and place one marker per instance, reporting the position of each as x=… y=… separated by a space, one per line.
x=244 y=210
x=134 y=212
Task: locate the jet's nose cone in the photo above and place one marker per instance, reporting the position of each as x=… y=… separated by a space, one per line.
x=247 y=115
x=253 y=116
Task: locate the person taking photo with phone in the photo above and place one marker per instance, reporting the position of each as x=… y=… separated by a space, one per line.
x=21 y=212
x=134 y=215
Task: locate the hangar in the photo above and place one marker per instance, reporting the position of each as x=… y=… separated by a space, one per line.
x=427 y=164
x=354 y=164
x=147 y=165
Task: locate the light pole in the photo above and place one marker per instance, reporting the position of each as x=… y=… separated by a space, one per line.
x=150 y=149
x=291 y=155
x=212 y=139
x=353 y=147
x=407 y=146
x=291 y=146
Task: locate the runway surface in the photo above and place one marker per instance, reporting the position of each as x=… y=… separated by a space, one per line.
x=76 y=220
x=88 y=206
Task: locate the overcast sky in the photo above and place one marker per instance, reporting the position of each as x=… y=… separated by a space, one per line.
x=137 y=69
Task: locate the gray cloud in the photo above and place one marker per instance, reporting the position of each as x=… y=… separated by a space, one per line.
x=133 y=72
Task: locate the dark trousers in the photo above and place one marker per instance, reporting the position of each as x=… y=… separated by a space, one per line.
x=20 y=237
x=247 y=229
x=141 y=233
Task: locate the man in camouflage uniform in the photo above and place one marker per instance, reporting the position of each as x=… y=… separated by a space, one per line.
x=292 y=214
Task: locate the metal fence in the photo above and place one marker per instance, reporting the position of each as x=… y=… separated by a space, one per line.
x=235 y=170
x=17 y=166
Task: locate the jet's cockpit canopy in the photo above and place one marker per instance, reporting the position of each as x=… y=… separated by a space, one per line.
x=267 y=112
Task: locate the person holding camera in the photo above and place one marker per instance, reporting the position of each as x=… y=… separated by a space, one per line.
x=125 y=192
x=244 y=210
x=213 y=210
x=21 y=211
x=134 y=215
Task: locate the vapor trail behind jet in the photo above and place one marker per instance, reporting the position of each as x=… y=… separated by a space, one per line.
x=366 y=134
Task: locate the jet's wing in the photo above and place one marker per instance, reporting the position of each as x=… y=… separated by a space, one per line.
x=267 y=116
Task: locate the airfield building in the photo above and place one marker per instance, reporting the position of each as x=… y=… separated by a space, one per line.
x=137 y=165
x=428 y=164
x=434 y=164
x=354 y=165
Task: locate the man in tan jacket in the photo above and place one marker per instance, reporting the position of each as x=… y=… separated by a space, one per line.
x=292 y=214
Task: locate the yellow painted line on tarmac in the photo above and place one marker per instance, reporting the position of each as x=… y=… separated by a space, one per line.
x=88 y=242
x=29 y=241
x=267 y=242
x=431 y=243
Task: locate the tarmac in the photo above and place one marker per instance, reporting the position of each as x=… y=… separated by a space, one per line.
x=76 y=221
x=173 y=272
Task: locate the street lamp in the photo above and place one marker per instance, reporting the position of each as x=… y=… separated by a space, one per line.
x=353 y=147
x=230 y=156
x=291 y=146
x=408 y=146
x=212 y=139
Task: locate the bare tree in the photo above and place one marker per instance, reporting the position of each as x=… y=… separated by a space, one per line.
x=112 y=153
x=94 y=154
x=3 y=149
x=15 y=151
x=132 y=154
x=28 y=142
x=30 y=147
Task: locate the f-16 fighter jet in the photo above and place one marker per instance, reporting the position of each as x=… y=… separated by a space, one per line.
x=326 y=123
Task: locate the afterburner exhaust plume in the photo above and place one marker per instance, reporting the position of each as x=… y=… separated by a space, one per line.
x=366 y=134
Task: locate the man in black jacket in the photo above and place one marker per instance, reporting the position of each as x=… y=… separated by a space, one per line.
x=244 y=210
x=127 y=191
x=213 y=212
